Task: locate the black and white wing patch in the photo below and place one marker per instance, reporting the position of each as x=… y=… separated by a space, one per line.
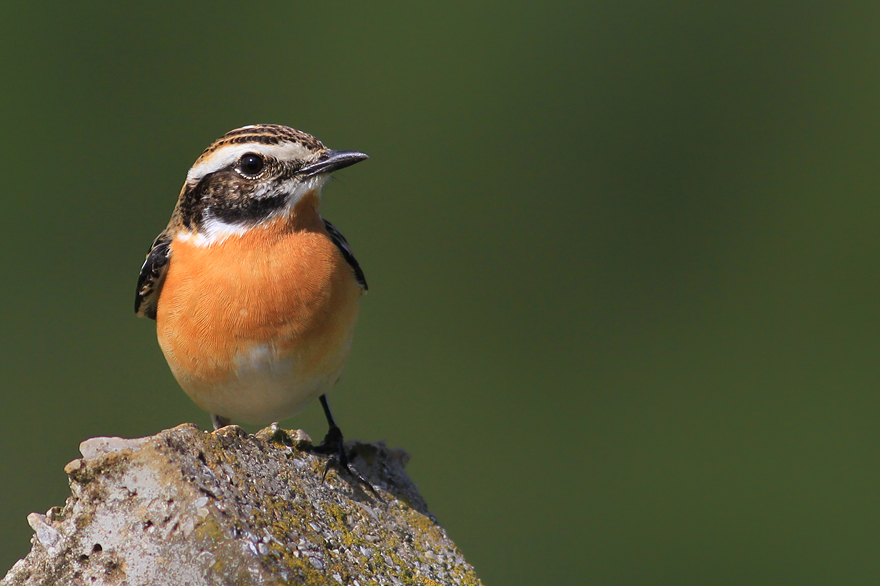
x=152 y=275
x=342 y=244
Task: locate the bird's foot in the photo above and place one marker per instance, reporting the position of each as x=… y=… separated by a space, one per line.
x=333 y=447
x=219 y=421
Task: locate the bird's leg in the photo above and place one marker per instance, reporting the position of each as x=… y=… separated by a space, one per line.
x=333 y=446
x=219 y=421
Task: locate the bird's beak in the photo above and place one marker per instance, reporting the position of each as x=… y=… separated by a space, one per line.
x=331 y=160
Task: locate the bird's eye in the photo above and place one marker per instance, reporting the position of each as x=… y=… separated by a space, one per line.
x=251 y=164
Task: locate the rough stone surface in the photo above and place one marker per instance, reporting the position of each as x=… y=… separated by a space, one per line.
x=197 y=508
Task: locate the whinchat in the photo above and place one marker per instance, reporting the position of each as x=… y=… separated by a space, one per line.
x=254 y=294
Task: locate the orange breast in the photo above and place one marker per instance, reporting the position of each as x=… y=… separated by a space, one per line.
x=257 y=325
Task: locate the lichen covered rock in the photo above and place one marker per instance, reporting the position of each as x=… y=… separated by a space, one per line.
x=197 y=508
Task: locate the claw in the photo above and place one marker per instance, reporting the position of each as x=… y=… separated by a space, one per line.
x=333 y=447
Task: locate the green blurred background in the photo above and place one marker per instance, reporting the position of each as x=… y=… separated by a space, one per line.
x=623 y=260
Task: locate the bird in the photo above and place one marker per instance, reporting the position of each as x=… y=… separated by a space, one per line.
x=254 y=294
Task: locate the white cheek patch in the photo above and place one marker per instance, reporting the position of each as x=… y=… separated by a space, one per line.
x=226 y=155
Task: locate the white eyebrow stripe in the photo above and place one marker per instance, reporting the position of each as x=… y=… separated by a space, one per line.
x=225 y=155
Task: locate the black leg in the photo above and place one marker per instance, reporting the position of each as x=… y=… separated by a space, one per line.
x=219 y=421
x=326 y=407
x=334 y=448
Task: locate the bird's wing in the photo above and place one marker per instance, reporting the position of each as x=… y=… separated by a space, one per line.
x=342 y=244
x=152 y=276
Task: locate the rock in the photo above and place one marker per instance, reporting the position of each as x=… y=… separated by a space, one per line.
x=198 y=508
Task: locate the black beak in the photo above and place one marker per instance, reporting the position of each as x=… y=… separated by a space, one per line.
x=331 y=160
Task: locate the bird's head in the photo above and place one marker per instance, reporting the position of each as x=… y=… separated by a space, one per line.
x=252 y=174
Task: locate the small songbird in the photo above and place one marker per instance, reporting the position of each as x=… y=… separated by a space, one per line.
x=255 y=296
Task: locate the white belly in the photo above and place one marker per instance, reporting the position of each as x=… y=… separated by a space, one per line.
x=265 y=386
